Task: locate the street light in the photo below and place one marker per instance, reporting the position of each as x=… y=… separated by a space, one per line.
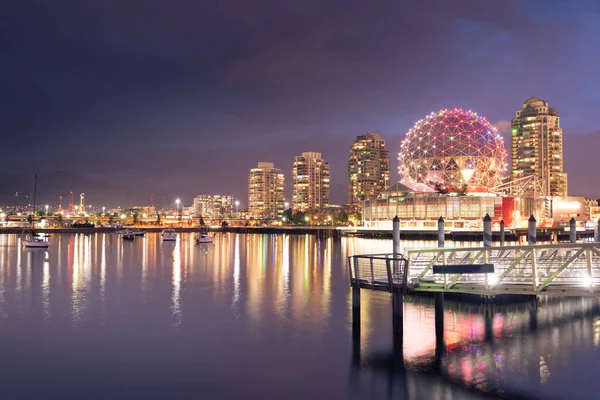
x=237 y=203
x=46 y=209
x=306 y=219
x=177 y=207
x=286 y=204
x=103 y=208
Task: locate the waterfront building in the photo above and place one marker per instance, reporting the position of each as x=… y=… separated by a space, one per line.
x=537 y=149
x=266 y=191
x=213 y=206
x=310 y=182
x=368 y=168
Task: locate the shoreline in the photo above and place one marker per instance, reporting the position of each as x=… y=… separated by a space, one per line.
x=320 y=232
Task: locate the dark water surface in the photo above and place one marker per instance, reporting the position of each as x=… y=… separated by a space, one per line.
x=262 y=316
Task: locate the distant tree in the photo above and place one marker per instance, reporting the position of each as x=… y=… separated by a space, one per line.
x=111 y=219
x=202 y=221
x=158 y=222
x=462 y=190
x=441 y=188
x=224 y=224
x=135 y=218
x=59 y=219
x=30 y=218
x=299 y=218
x=288 y=215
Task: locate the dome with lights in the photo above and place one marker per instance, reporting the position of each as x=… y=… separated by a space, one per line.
x=453 y=148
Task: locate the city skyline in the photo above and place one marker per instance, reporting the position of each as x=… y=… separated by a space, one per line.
x=138 y=114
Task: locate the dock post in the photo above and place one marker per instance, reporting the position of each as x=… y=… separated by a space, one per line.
x=441 y=233
x=396 y=236
x=487 y=231
x=572 y=230
x=502 y=234
x=531 y=231
x=398 y=322
x=396 y=244
x=356 y=318
x=440 y=346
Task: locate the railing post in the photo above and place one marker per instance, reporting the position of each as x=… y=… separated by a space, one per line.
x=372 y=273
x=405 y=275
x=572 y=230
x=502 y=236
x=531 y=231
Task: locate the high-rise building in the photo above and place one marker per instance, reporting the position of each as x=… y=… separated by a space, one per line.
x=213 y=206
x=537 y=148
x=310 y=182
x=266 y=191
x=368 y=168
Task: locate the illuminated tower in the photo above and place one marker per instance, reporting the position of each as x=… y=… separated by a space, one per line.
x=310 y=182
x=266 y=191
x=71 y=204
x=60 y=209
x=368 y=168
x=82 y=202
x=537 y=147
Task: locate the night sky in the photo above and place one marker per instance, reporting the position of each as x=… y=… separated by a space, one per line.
x=123 y=98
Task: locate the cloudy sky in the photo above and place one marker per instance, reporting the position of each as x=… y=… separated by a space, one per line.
x=183 y=97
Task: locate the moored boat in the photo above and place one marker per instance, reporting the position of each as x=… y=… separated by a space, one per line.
x=127 y=235
x=35 y=240
x=169 y=235
x=204 y=238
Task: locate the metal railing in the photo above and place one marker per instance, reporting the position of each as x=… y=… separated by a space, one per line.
x=564 y=269
x=378 y=271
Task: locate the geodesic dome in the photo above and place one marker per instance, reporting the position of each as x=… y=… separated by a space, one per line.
x=453 y=148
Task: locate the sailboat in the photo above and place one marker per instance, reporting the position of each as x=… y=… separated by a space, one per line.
x=34 y=240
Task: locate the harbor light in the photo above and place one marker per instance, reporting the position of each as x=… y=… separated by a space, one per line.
x=123 y=216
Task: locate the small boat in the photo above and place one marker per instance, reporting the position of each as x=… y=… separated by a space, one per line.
x=35 y=240
x=127 y=235
x=169 y=235
x=138 y=233
x=204 y=238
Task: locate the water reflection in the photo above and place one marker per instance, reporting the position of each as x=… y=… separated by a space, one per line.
x=275 y=307
x=176 y=307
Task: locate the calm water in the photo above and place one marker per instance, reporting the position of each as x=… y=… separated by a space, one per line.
x=262 y=316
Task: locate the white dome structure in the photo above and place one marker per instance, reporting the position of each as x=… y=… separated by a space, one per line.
x=453 y=148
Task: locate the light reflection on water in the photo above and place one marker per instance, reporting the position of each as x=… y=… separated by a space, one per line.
x=260 y=316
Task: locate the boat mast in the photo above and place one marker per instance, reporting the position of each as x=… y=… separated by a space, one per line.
x=34 y=194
